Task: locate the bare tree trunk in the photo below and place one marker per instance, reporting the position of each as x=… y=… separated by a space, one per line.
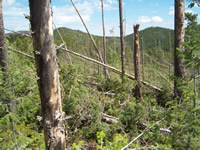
x=104 y=38
x=138 y=92
x=47 y=70
x=142 y=48
x=122 y=38
x=3 y=49
x=179 y=39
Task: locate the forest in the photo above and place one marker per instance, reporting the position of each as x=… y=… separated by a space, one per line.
x=62 y=88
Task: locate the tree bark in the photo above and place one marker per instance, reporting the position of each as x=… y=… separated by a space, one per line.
x=47 y=70
x=3 y=48
x=122 y=38
x=104 y=38
x=179 y=39
x=138 y=92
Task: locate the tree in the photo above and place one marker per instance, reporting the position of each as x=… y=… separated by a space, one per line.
x=192 y=47
x=3 y=48
x=179 y=39
x=104 y=37
x=47 y=71
x=193 y=2
x=122 y=38
x=138 y=93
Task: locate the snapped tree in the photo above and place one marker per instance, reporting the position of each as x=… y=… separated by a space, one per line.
x=138 y=92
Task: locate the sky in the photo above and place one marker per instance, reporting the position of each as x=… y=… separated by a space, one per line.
x=147 y=13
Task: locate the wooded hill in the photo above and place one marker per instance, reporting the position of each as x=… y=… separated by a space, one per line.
x=153 y=37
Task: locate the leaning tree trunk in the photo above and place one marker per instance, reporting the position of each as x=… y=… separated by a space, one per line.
x=179 y=39
x=47 y=71
x=122 y=38
x=138 y=92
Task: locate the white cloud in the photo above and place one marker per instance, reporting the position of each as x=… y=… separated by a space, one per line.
x=67 y=15
x=189 y=11
x=8 y=2
x=146 y=19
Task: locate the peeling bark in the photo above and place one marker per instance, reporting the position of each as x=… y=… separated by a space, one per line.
x=47 y=70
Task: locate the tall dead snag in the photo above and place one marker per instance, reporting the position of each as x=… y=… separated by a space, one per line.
x=179 y=39
x=3 y=49
x=138 y=92
x=122 y=38
x=47 y=70
x=104 y=37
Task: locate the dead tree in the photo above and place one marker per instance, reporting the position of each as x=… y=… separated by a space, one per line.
x=138 y=92
x=3 y=49
x=179 y=39
x=122 y=38
x=47 y=71
x=104 y=38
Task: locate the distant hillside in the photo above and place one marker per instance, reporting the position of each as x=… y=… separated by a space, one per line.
x=154 y=37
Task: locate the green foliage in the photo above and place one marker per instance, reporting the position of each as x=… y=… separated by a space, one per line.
x=118 y=141
x=87 y=97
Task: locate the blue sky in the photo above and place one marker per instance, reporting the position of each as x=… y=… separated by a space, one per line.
x=145 y=12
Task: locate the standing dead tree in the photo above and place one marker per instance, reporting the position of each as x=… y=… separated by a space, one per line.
x=138 y=92
x=122 y=37
x=179 y=39
x=104 y=37
x=47 y=71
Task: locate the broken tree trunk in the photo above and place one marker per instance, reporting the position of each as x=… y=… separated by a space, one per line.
x=138 y=92
x=47 y=70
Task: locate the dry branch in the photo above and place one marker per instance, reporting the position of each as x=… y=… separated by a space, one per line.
x=21 y=53
x=142 y=134
x=165 y=78
x=70 y=59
